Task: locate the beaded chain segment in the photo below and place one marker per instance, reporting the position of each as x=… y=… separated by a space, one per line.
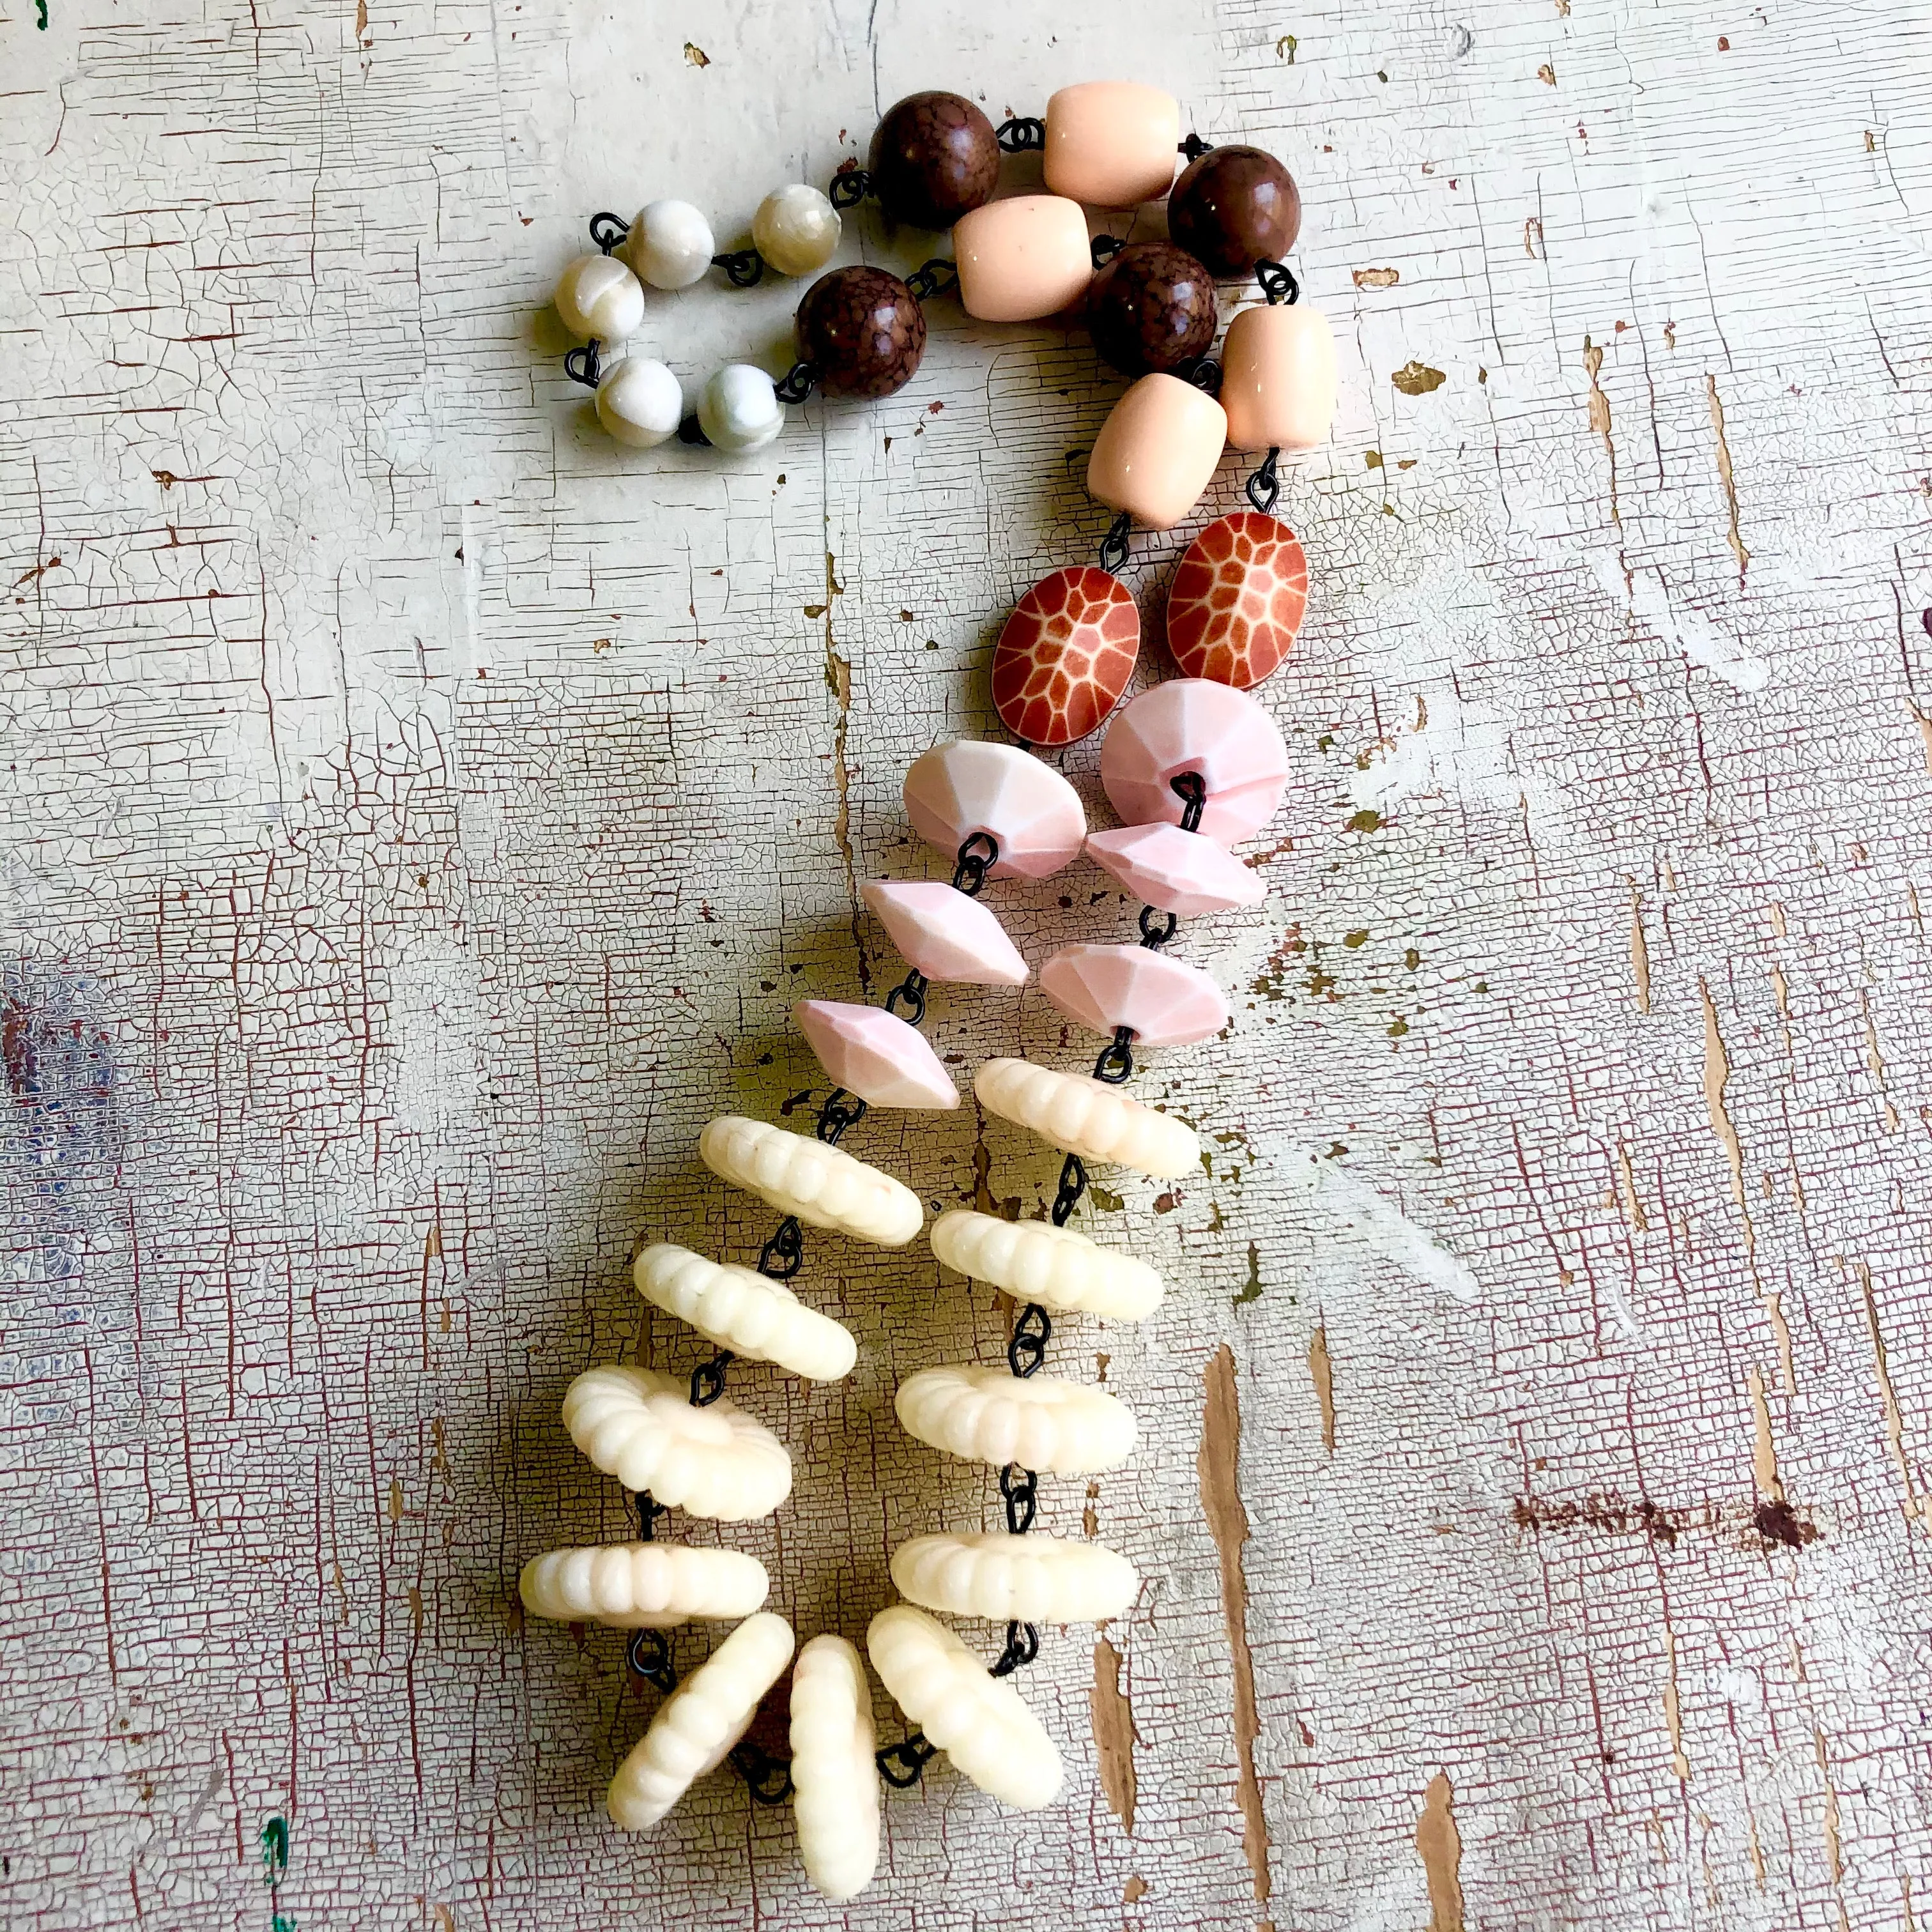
x=1192 y=767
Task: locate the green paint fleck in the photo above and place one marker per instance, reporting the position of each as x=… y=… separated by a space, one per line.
x=1398 y=1027
x=1351 y=939
x=1364 y=820
x=40 y=9
x=275 y=1850
x=1285 y=47
x=1251 y=1289
x=1108 y=1203
x=1412 y=959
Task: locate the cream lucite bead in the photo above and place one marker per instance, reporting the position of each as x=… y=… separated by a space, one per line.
x=1112 y=143
x=597 y=297
x=1195 y=725
x=670 y=245
x=748 y=1313
x=875 y=1054
x=944 y=934
x=1079 y=1115
x=1040 y=1422
x=643 y=1429
x=1033 y=1261
x=739 y=409
x=1163 y=1002
x=954 y=792
x=834 y=1777
x=1023 y=258
x=980 y=1722
x=698 y=1724
x=796 y=229
x=642 y=1585
x=640 y=402
x=1156 y=450
x=1176 y=872
x=820 y=1184
x=993 y=1574
x=1278 y=378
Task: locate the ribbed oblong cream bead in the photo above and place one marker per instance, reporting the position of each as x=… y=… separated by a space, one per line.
x=984 y=1414
x=1033 y=1261
x=747 y=1312
x=1084 y=1116
x=1044 y=1579
x=818 y=1183
x=834 y=1777
x=642 y=1585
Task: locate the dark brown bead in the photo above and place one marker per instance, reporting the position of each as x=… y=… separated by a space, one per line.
x=934 y=157
x=863 y=331
x=1234 y=207
x=1151 y=307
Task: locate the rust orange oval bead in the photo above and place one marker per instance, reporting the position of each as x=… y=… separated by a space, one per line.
x=1236 y=601
x=1065 y=655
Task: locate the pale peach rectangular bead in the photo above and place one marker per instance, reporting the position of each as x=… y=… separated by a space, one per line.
x=1112 y=143
x=1156 y=452
x=1022 y=258
x=1278 y=378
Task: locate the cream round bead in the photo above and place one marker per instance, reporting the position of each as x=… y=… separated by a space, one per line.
x=597 y=297
x=640 y=402
x=796 y=229
x=670 y=245
x=739 y=409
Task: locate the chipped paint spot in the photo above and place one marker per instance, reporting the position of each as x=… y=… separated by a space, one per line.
x=1376 y=278
x=1321 y=1372
x=1600 y=420
x=1417 y=379
x=1717 y=1078
x=1916 y=1509
x=1725 y=473
x=1640 y=954
x=1764 y=1450
x=1440 y=1844
x=1673 y=1716
x=1115 y=1737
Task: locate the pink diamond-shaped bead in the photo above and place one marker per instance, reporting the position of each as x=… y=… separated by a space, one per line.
x=944 y=934
x=1174 y=871
x=875 y=1054
x=1193 y=725
x=955 y=791
x=1165 y=1002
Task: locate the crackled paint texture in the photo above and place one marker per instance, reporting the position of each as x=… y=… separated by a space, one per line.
x=422 y=813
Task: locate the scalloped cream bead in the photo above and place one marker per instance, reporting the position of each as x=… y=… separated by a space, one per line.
x=980 y=1722
x=818 y=1183
x=642 y=1428
x=985 y=1415
x=647 y=1585
x=991 y=1573
x=698 y=1724
x=748 y=1313
x=1033 y=1261
x=834 y=1777
x=1084 y=1116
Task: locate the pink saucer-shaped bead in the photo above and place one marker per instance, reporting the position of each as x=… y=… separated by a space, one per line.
x=1174 y=871
x=875 y=1054
x=1031 y=812
x=1165 y=1002
x=945 y=934
x=1193 y=725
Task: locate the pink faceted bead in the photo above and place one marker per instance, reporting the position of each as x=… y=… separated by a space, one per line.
x=1174 y=871
x=1194 y=724
x=1034 y=815
x=945 y=934
x=875 y=1054
x=1165 y=1002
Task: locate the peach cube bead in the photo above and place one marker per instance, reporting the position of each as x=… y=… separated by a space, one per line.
x=1112 y=143
x=1156 y=450
x=1022 y=258
x=1278 y=378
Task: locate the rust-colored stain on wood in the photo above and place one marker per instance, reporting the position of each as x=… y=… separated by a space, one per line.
x=1440 y=1844
x=1113 y=1735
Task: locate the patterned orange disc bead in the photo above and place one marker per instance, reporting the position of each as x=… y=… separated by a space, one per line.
x=1065 y=655
x=1237 y=599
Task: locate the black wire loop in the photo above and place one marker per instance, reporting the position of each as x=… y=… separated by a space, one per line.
x=692 y=430
x=582 y=365
x=1032 y=1330
x=1116 y=1062
x=1021 y=1488
x=1264 y=487
x=849 y=187
x=1113 y=545
x=902 y=1765
x=649 y=1510
x=1103 y=248
x=1194 y=147
x=1203 y=371
x=744 y=268
x=649 y=1655
x=796 y=383
x=976 y=857
x=937 y=276
x=1153 y=935
x=608 y=230
x=707 y=1379
x=766 y=1778
x=842 y=1110
x=1072 y=1185
x=1026 y=134
x=1278 y=283
x=912 y=990
x=780 y=1258
x=1022 y=1647
x=1191 y=788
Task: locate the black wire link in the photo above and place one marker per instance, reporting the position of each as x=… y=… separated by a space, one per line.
x=1026 y=134
x=1203 y=371
x=608 y=230
x=1021 y=1488
x=1113 y=545
x=1278 y=283
x=582 y=365
x=707 y=1379
x=1103 y=248
x=692 y=430
x=976 y=857
x=744 y=268
x=1191 y=788
x=780 y=1257
x=797 y=382
x=649 y=1655
x=767 y=1778
x=649 y=1510
x=1072 y=1185
x=937 y=276
x=903 y=1764
x=1264 y=487
x=1022 y=1647
x=1154 y=937
x=1032 y=1330
x=849 y=187
x=912 y=990
x=1194 y=147
x=1116 y=1062
x=842 y=1110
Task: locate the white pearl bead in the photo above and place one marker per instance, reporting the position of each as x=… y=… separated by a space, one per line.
x=739 y=409
x=597 y=295
x=670 y=245
x=639 y=402
x=796 y=229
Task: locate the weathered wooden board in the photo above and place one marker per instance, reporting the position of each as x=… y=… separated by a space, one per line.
x=422 y=815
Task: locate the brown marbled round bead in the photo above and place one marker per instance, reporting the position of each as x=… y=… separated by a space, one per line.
x=934 y=157
x=1234 y=207
x=1151 y=307
x=862 y=330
